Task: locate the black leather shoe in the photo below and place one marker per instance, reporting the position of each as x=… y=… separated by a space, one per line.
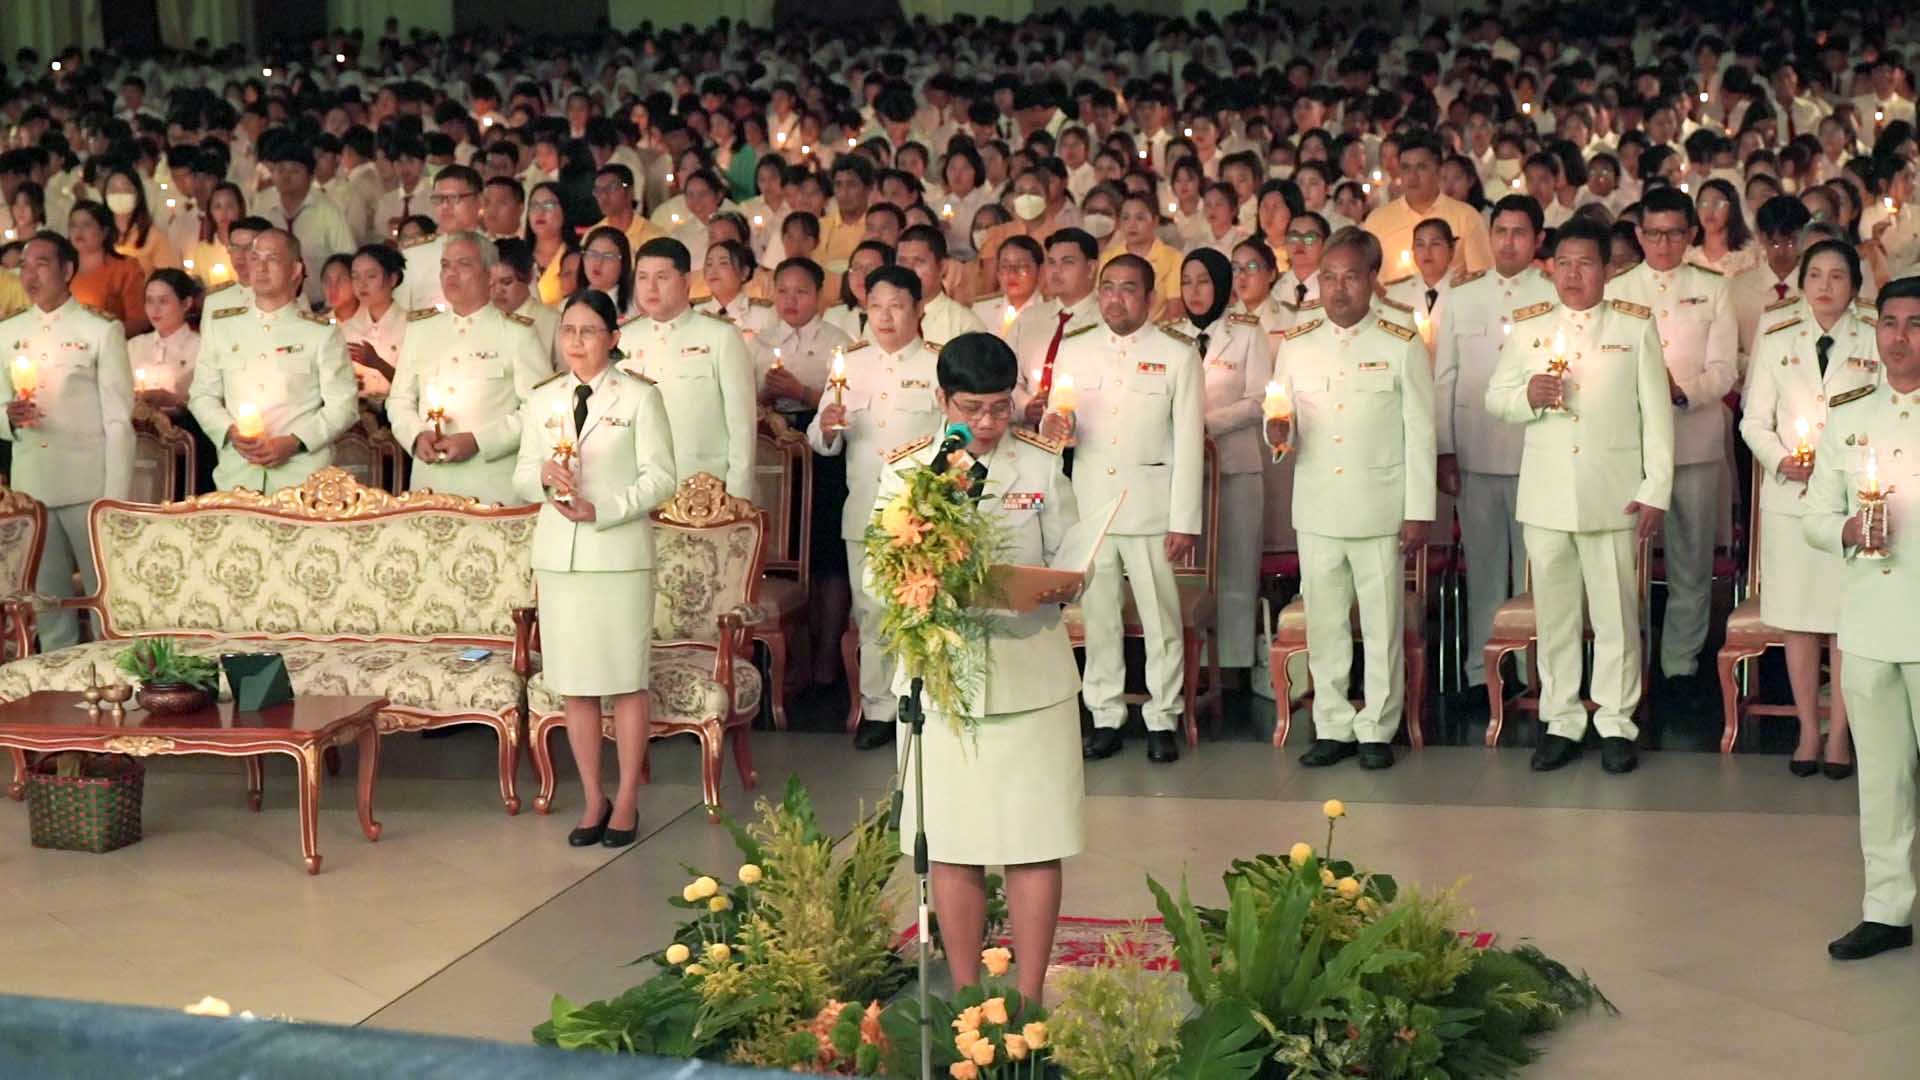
x=1617 y=755
x=1802 y=768
x=1836 y=771
x=1376 y=755
x=872 y=734
x=618 y=838
x=1328 y=752
x=1104 y=743
x=1162 y=747
x=1870 y=939
x=1554 y=752
x=592 y=834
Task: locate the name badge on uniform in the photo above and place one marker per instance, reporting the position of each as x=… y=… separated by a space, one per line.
x=1149 y=368
x=615 y=421
x=1616 y=348
x=1223 y=364
x=1373 y=365
x=74 y=346
x=1023 y=500
x=288 y=350
x=694 y=350
x=487 y=355
x=1694 y=300
x=915 y=384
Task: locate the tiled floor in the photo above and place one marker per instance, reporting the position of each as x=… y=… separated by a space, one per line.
x=1698 y=892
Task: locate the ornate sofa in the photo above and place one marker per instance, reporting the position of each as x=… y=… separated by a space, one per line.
x=361 y=591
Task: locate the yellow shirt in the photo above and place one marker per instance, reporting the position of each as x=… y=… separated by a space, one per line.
x=1393 y=226
x=550 y=285
x=13 y=296
x=1166 y=269
x=838 y=239
x=638 y=231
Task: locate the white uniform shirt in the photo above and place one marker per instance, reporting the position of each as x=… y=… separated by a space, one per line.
x=705 y=375
x=946 y=318
x=805 y=351
x=81 y=448
x=479 y=368
x=888 y=395
x=164 y=363
x=386 y=334
x=319 y=225
x=288 y=364
x=750 y=315
x=1784 y=385
x=1236 y=367
x=1700 y=343
x=1477 y=321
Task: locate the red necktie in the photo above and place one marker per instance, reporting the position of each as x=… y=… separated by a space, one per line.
x=1053 y=350
x=1780 y=289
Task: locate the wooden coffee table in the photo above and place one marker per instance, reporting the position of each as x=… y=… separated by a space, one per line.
x=47 y=722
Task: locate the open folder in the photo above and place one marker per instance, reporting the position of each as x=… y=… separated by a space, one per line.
x=1024 y=588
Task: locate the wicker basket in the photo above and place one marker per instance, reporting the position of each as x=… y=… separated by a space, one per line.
x=85 y=813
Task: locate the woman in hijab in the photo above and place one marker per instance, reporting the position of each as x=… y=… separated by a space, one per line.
x=1238 y=362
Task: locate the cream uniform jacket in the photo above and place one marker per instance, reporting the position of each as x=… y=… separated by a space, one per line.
x=420 y=286
x=1033 y=331
x=1000 y=315
x=1700 y=343
x=1613 y=444
x=946 y=318
x=546 y=324
x=480 y=369
x=1363 y=440
x=1029 y=662
x=887 y=395
x=1236 y=369
x=750 y=315
x=705 y=375
x=624 y=467
x=1139 y=427
x=1756 y=294
x=1877 y=618
x=1477 y=321
x=81 y=449
x=290 y=365
x=1784 y=385
x=806 y=351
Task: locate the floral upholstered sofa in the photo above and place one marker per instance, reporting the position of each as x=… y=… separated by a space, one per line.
x=361 y=591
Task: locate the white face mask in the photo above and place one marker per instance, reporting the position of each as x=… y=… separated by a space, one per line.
x=1099 y=226
x=979 y=239
x=1507 y=168
x=122 y=202
x=1029 y=207
x=1279 y=172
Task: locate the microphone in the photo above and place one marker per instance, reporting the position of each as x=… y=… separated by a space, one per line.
x=957 y=437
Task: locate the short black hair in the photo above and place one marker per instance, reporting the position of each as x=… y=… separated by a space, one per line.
x=897 y=276
x=1520 y=204
x=462 y=173
x=1782 y=215
x=805 y=266
x=64 y=253
x=666 y=247
x=977 y=363
x=1668 y=200
x=183 y=285
x=510 y=186
x=1580 y=228
x=390 y=261
x=1079 y=238
x=516 y=255
x=1132 y=262
x=1906 y=288
x=935 y=240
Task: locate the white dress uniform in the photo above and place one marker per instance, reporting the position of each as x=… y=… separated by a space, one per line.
x=321 y=228
x=387 y=335
x=81 y=448
x=849 y=319
x=1580 y=540
x=353 y=205
x=1700 y=343
x=750 y=315
x=1139 y=428
x=1411 y=294
x=1477 y=321
x=1879 y=627
x=887 y=395
x=945 y=318
x=1363 y=443
x=1034 y=332
x=701 y=366
x=164 y=363
x=1800 y=585
x=1289 y=289
x=546 y=325
x=1011 y=794
x=289 y=364
x=1000 y=315
x=402 y=204
x=594 y=581
x=420 y=284
x=1757 y=293
x=480 y=369
x=1236 y=367
x=806 y=351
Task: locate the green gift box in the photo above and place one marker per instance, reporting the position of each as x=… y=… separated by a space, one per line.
x=85 y=813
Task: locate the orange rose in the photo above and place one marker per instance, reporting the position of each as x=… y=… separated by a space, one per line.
x=982 y=1053
x=917 y=591
x=964 y=1070
x=995 y=1011
x=907 y=530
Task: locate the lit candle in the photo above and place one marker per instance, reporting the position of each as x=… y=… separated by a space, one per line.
x=1406 y=260
x=1143 y=153
x=1873 y=473
x=436 y=410
x=1172 y=207
x=776 y=356
x=1526 y=108
x=1062 y=397
x=1425 y=326
x=1685 y=189
x=188 y=263
x=781 y=138
x=1188 y=132
x=758 y=221
x=1506 y=326
x=26 y=377
x=1802 y=453
x=1366 y=188
x=170 y=204
x=669 y=178
x=10 y=234
x=1879 y=115
x=850 y=142
x=246 y=420
x=1006 y=319
x=339 y=58
x=1516 y=183
x=1376 y=176
x=946 y=211
x=1703 y=97
x=139 y=378
x=266 y=73
x=56 y=65
x=1891 y=206
x=1277 y=405
x=805 y=149
x=219 y=271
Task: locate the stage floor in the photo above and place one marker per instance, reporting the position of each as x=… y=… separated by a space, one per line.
x=1699 y=892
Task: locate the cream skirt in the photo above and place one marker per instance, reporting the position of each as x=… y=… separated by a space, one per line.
x=596 y=631
x=1007 y=797
x=1799 y=585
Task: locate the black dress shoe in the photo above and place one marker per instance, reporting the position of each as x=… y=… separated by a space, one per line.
x=1162 y=747
x=1103 y=744
x=587 y=836
x=1328 y=752
x=1836 y=770
x=1376 y=755
x=1802 y=768
x=618 y=838
x=1617 y=755
x=872 y=734
x=1870 y=939
x=1554 y=752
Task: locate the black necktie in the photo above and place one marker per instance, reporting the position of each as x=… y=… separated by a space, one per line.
x=1300 y=295
x=1432 y=295
x=580 y=395
x=1821 y=347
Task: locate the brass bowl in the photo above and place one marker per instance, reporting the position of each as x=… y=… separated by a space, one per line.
x=164 y=699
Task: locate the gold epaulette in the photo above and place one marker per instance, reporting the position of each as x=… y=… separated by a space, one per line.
x=1244 y=320
x=1623 y=271
x=1303 y=328
x=1854 y=394
x=548 y=379
x=1392 y=303
x=1396 y=329
x=516 y=317
x=895 y=455
x=1034 y=438
x=1175 y=334
x=1521 y=315
x=1628 y=307
x=1311 y=304
x=97 y=311
x=1076 y=331
x=633 y=318
x=754 y=301
x=229 y=312
x=1465 y=276
x=415 y=242
x=1778 y=304
x=855 y=347
x=715 y=318
x=420 y=313
x=223 y=286
x=312 y=317
x=935 y=346
x=1782 y=325
x=1707 y=270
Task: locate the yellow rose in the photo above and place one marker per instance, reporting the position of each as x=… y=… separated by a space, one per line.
x=1326 y=876
x=719 y=953
x=997 y=961
x=1016 y=1047
x=704 y=887
x=968 y=1020
x=678 y=954
x=691 y=894
x=1299 y=853
x=964 y=1041
x=1334 y=808
x=719 y=904
x=696 y=970
x=964 y=1070
x=209 y=1006
x=1366 y=905
x=750 y=875
x=1036 y=1035
x=982 y=1053
x=995 y=1012
x=1348 y=888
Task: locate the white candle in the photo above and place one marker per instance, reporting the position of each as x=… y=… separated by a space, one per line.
x=1873 y=473
x=266 y=73
x=1703 y=97
x=1006 y=319
x=758 y=221
x=669 y=178
x=1376 y=176
x=1526 y=108
x=246 y=420
x=1277 y=405
x=1143 y=154
x=1800 y=431
x=1062 y=397
x=776 y=356
x=1172 y=207
x=139 y=378
x=26 y=378
x=805 y=149
x=850 y=142
x=339 y=58
x=946 y=210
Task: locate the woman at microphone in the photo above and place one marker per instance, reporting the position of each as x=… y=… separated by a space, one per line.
x=596 y=454
x=1008 y=791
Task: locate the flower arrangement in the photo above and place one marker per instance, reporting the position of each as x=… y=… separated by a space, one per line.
x=997 y=1034
x=157 y=661
x=930 y=551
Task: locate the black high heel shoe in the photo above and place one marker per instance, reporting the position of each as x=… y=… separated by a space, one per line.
x=619 y=838
x=1802 y=769
x=588 y=836
x=1837 y=771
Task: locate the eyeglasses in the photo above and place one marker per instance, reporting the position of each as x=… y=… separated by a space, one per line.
x=609 y=187
x=1000 y=409
x=1668 y=236
x=544 y=205
x=601 y=256
x=449 y=200
x=1252 y=266
x=1304 y=239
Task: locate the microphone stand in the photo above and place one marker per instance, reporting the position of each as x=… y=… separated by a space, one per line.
x=915 y=716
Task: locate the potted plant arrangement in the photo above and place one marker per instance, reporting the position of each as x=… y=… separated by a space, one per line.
x=171 y=680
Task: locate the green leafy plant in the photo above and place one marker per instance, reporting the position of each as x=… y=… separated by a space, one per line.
x=158 y=661
x=1018 y=1031
x=664 y=1016
x=1120 y=1018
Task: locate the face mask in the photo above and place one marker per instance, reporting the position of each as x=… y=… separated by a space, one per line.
x=1100 y=226
x=979 y=239
x=122 y=202
x=1507 y=168
x=1279 y=172
x=1029 y=207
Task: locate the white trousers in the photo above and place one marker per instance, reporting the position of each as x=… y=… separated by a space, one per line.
x=877 y=700
x=1496 y=551
x=69 y=546
x=1593 y=570
x=1334 y=575
x=1143 y=559
x=1242 y=524
x=1883 y=706
x=1693 y=521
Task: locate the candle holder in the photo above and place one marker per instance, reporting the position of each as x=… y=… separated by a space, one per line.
x=1873 y=511
x=437 y=413
x=1557 y=367
x=564 y=453
x=1803 y=456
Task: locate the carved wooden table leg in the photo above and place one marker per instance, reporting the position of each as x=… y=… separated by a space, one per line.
x=308 y=764
x=256 y=780
x=369 y=747
x=18 y=789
